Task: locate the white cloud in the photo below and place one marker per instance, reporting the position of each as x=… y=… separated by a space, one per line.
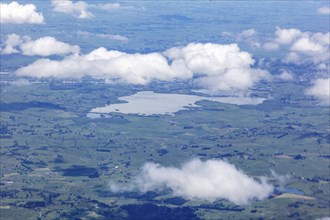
x=285 y=75
x=11 y=44
x=80 y=9
x=313 y=47
x=225 y=67
x=44 y=46
x=293 y=57
x=20 y=14
x=236 y=80
x=226 y=34
x=286 y=36
x=320 y=90
x=281 y=179
x=106 y=6
x=301 y=46
x=282 y=37
x=210 y=181
x=210 y=59
x=115 y=37
x=247 y=33
x=217 y=67
x=324 y=10
x=21 y=82
x=109 y=65
x=250 y=37
x=271 y=46
x=306 y=45
x=47 y=46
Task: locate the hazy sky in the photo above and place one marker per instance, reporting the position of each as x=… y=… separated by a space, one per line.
x=220 y=45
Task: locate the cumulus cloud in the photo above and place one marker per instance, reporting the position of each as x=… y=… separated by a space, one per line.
x=109 y=65
x=45 y=46
x=324 y=10
x=320 y=90
x=210 y=58
x=12 y=42
x=225 y=67
x=80 y=9
x=210 y=181
x=286 y=36
x=302 y=46
x=20 y=14
x=282 y=37
x=217 y=67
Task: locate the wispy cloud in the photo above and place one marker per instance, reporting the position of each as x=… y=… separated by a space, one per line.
x=248 y=36
x=21 y=82
x=324 y=10
x=106 y=6
x=115 y=37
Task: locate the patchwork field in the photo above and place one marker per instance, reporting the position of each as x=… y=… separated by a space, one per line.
x=56 y=163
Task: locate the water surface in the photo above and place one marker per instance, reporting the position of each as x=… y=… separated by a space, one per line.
x=150 y=103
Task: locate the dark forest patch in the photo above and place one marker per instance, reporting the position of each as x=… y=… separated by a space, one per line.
x=20 y=106
x=77 y=170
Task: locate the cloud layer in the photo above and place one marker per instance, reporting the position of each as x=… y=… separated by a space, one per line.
x=320 y=90
x=45 y=46
x=197 y=180
x=217 y=67
x=20 y=14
